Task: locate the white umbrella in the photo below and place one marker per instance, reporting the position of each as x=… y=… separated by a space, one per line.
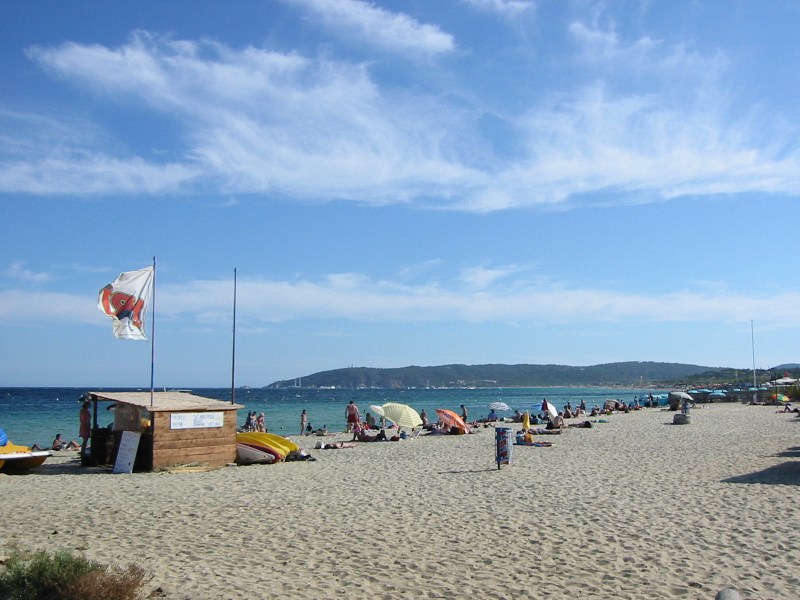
x=681 y=395
x=402 y=415
x=499 y=406
x=551 y=410
x=378 y=410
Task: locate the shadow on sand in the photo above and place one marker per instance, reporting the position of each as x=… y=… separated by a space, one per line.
x=786 y=473
x=62 y=466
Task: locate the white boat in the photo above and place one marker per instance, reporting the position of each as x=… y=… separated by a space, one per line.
x=21 y=458
x=249 y=455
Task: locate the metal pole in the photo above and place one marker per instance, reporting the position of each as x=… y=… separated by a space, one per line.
x=753 y=344
x=233 y=355
x=153 y=336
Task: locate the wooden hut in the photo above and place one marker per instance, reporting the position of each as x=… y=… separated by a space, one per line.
x=176 y=428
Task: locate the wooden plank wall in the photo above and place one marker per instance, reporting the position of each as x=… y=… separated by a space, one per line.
x=215 y=446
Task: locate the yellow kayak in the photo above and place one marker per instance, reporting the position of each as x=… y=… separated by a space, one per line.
x=269 y=440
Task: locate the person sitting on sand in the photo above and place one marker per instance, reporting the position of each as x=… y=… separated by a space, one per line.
x=492 y=416
x=60 y=444
x=556 y=422
x=370 y=421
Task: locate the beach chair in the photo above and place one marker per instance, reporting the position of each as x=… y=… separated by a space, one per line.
x=415 y=433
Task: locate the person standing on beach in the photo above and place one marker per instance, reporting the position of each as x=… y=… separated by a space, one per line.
x=352 y=415
x=464 y=413
x=86 y=426
x=261 y=423
x=303 y=421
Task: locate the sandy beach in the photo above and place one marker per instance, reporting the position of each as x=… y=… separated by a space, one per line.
x=633 y=508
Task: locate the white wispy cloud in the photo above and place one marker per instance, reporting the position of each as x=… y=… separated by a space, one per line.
x=505 y=8
x=498 y=297
x=314 y=128
x=392 y=31
x=482 y=277
x=16 y=270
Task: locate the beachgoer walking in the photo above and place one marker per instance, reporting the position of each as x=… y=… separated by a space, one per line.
x=260 y=423
x=303 y=421
x=86 y=426
x=352 y=415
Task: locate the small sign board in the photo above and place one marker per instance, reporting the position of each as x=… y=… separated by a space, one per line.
x=126 y=454
x=201 y=420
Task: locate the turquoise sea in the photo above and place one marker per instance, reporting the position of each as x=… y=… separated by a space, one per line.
x=35 y=415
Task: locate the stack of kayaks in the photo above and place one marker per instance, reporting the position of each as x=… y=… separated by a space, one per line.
x=254 y=448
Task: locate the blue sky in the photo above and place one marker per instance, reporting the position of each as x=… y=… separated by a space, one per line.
x=397 y=183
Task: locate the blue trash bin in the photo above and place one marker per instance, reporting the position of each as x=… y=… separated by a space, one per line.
x=503 y=445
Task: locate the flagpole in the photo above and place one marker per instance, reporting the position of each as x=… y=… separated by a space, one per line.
x=153 y=336
x=233 y=354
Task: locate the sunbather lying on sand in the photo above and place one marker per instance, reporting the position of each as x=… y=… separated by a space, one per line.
x=60 y=444
x=335 y=445
x=379 y=437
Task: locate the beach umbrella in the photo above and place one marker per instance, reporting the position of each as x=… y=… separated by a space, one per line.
x=551 y=410
x=378 y=410
x=401 y=415
x=681 y=395
x=499 y=406
x=781 y=398
x=717 y=394
x=451 y=419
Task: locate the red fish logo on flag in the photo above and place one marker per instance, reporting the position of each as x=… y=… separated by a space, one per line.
x=125 y=300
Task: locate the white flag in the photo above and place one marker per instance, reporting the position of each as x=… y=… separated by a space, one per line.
x=125 y=300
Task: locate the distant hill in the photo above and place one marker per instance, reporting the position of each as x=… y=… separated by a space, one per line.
x=610 y=374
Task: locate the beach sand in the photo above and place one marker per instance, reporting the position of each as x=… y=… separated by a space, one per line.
x=633 y=508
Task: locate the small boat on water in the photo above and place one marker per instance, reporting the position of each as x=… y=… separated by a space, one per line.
x=14 y=457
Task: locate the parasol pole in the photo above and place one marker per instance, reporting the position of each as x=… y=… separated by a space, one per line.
x=153 y=335
x=233 y=352
x=753 y=344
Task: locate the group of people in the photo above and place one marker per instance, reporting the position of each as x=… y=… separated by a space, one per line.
x=255 y=422
x=84 y=433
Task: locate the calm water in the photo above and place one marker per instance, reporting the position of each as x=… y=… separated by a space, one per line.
x=35 y=415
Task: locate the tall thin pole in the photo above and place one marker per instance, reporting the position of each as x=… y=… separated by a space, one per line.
x=233 y=355
x=153 y=336
x=753 y=344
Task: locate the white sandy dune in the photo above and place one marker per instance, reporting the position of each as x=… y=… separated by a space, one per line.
x=634 y=508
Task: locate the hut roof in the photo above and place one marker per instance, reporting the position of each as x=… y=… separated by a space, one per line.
x=166 y=401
